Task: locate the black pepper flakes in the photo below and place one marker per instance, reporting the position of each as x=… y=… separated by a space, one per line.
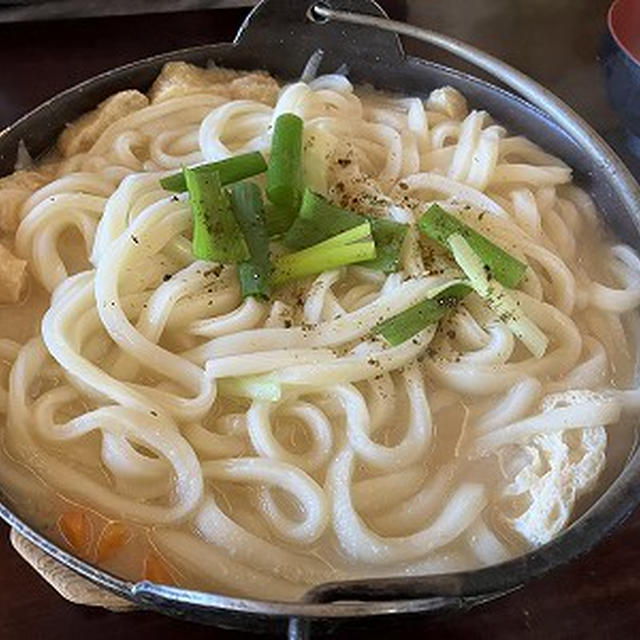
x=214 y=271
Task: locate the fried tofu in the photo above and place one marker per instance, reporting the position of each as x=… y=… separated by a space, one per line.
x=179 y=79
x=14 y=190
x=13 y=276
x=80 y=135
x=553 y=470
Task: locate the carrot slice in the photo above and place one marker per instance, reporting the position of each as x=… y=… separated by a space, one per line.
x=76 y=530
x=155 y=570
x=113 y=537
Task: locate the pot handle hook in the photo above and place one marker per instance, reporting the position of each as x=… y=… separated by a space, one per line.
x=282 y=34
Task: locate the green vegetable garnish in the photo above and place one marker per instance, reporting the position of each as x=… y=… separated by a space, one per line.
x=351 y=246
x=284 y=174
x=247 y=206
x=389 y=237
x=229 y=170
x=440 y=226
x=408 y=323
x=216 y=235
x=260 y=387
x=319 y=219
x=497 y=297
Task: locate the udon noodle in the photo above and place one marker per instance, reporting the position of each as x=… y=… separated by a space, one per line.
x=453 y=450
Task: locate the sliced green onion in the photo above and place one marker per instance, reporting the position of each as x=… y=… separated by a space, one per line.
x=440 y=226
x=229 y=170
x=355 y=234
x=247 y=206
x=497 y=297
x=216 y=235
x=260 y=387
x=284 y=174
x=348 y=247
x=278 y=218
x=318 y=220
x=389 y=237
x=406 y=324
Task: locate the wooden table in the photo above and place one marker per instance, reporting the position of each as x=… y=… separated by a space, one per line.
x=554 y=41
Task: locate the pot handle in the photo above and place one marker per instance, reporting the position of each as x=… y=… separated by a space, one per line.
x=281 y=34
x=435 y=593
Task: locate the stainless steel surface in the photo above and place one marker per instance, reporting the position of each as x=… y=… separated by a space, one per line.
x=277 y=36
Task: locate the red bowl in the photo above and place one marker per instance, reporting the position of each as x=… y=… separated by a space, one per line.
x=620 y=58
x=624 y=24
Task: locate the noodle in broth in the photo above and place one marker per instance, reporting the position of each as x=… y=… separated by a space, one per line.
x=453 y=450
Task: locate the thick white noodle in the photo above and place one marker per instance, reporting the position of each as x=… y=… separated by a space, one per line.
x=368 y=463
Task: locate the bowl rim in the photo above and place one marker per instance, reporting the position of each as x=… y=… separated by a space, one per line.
x=612 y=16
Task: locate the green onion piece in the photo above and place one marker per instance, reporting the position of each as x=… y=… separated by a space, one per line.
x=389 y=237
x=348 y=247
x=260 y=387
x=229 y=170
x=318 y=220
x=406 y=324
x=440 y=225
x=284 y=174
x=497 y=297
x=247 y=207
x=216 y=235
x=278 y=218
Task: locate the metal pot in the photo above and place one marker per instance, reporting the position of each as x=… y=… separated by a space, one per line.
x=278 y=36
